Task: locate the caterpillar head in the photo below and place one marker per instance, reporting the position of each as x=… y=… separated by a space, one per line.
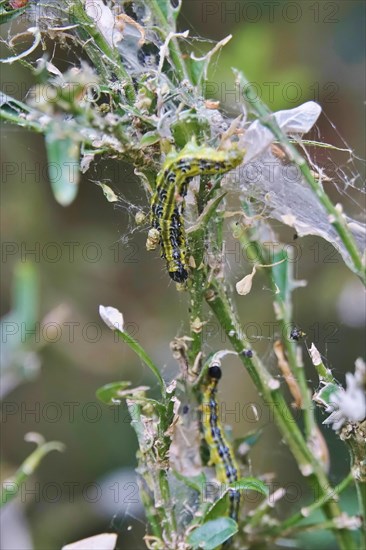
x=177 y=271
x=214 y=372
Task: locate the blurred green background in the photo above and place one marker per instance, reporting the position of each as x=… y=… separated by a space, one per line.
x=88 y=254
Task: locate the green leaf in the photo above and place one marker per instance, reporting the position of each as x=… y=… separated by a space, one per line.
x=218 y=509
x=250 y=484
x=135 y=346
x=113 y=318
x=16 y=112
x=196 y=482
x=110 y=394
x=209 y=210
x=212 y=534
x=198 y=69
x=249 y=440
x=164 y=6
x=167 y=9
x=63 y=152
x=150 y=138
x=324 y=395
x=188 y=126
x=113 y=393
x=16 y=105
x=6 y=16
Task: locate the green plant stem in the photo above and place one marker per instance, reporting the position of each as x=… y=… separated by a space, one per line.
x=321 y=526
x=291 y=522
x=269 y=390
x=296 y=366
x=196 y=326
x=24 y=119
x=168 y=508
x=361 y=495
x=283 y=311
x=154 y=474
x=267 y=386
x=198 y=235
x=21 y=121
x=325 y=375
x=196 y=294
x=355 y=438
x=139 y=350
x=335 y=216
x=12 y=486
x=150 y=512
x=174 y=49
x=112 y=55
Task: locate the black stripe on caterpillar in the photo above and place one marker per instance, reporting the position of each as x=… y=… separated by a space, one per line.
x=167 y=205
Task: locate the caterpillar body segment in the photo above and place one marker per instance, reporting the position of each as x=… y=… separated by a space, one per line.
x=221 y=452
x=167 y=203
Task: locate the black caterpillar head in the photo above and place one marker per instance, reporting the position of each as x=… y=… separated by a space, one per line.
x=215 y=372
x=180 y=275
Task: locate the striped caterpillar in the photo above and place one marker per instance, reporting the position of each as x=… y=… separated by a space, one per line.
x=167 y=205
x=221 y=452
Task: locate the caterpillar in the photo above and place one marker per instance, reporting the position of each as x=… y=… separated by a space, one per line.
x=167 y=204
x=221 y=452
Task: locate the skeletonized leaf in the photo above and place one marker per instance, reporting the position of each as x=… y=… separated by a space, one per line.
x=109 y=194
x=200 y=65
x=104 y=20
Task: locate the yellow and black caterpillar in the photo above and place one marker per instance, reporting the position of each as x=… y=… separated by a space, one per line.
x=167 y=205
x=221 y=452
